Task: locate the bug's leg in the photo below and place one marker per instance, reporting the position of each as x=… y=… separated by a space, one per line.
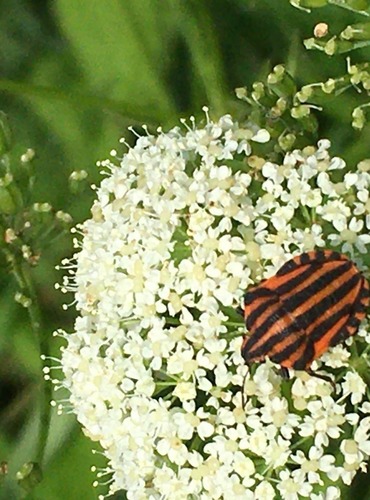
x=244 y=402
x=239 y=311
x=323 y=377
x=284 y=372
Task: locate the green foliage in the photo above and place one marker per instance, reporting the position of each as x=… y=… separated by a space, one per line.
x=354 y=36
x=74 y=76
x=359 y=6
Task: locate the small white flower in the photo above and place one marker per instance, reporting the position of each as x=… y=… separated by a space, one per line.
x=277 y=452
x=281 y=216
x=261 y=136
x=351 y=179
x=185 y=391
x=291 y=488
x=337 y=357
x=325 y=420
x=154 y=367
x=316 y=463
x=336 y=164
x=265 y=490
x=336 y=212
x=350 y=237
x=325 y=184
x=205 y=430
x=355 y=386
x=332 y=493
x=173 y=447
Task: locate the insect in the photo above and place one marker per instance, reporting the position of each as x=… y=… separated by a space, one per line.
x=315 y=301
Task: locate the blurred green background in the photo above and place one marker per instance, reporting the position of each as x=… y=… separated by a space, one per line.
x=73 y=76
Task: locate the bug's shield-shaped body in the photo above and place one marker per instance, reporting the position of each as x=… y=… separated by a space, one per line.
x=314 y=302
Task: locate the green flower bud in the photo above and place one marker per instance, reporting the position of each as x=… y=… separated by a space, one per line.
x=329 y=86
x=258 y=91
x=330 y=48
x=299 y=112
x=321 y=30
x=279 y=108
x=358 y=118
x=42 y=207
x=287 y=141
x=29 y=476
x=10 y=235
x=364 y=165
x=28 y=156
x=241 y=93
x=366 y=83
x=281 y=82
x=305 y=93
x=25 y=302
x=76 y=181
x=64 y=217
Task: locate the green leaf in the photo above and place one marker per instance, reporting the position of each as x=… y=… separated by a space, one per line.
x=115 y=45
x=198 y=30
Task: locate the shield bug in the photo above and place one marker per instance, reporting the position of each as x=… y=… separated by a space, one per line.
x=315 y=301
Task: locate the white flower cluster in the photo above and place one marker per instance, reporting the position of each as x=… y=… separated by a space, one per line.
x=180 y=228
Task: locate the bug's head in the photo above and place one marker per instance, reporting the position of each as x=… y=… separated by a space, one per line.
x=249 y=353
x=245 y=350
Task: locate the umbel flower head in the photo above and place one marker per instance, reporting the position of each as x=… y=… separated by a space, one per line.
x=182 y=225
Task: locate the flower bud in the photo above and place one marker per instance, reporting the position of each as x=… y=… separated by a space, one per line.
x=321 y=30
x=281 y=82
x=359 y=31
x=77 y=181
x=29 y=476
x=358 y=118
x=23 y=300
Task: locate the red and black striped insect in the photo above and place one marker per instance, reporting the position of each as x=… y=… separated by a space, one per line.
x=315 y=301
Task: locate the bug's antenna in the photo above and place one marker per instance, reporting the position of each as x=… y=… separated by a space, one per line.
x=284 y=372
x=244 y=402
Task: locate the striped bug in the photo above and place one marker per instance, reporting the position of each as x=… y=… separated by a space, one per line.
x=315 y=301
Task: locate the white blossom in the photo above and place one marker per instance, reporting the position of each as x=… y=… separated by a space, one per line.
x=153 y=367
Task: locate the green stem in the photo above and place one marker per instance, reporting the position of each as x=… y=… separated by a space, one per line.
x=54 y=239
x=46 y=393
x=305 y=213
x=165 y=384
x=195 y=443
x=44 y=234
x=172 y=321
x=46 y=390
x=23 y=278
x=313 y=215
x=299 y=442
x=230 y=335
